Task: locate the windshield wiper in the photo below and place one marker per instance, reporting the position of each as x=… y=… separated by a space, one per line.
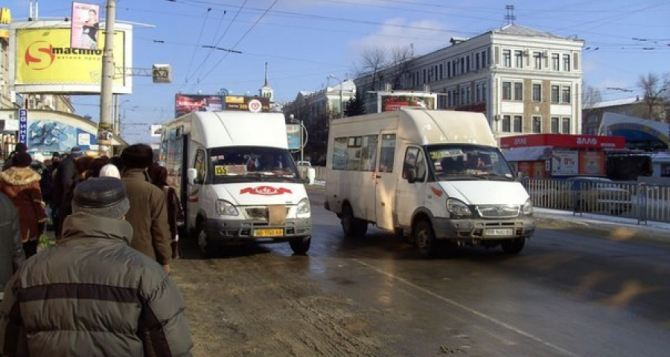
x=492 y=175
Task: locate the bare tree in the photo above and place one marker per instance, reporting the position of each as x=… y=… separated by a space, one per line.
x=652 y=88
x=372 y=60
x=400 y=57
x=590 y=96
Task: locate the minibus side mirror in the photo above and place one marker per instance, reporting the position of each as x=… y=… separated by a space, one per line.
x=191 y=175
x=411 y=175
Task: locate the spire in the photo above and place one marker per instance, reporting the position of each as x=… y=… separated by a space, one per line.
x=266 y=75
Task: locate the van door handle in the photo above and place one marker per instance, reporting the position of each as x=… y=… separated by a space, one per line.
x=378 y=176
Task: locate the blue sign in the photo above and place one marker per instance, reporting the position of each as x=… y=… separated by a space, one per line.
x=293 y=132
x=23 y=126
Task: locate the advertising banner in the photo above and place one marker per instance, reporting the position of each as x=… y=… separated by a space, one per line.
x=45 y=61
x=51 y=136
x=244 y=103
x=564 y=163
x=186 y=103
x=592 y=163
x=23 y=126
x=85 y=25
x=293 y=132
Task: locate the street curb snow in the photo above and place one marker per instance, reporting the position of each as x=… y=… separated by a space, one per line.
x=589 y=219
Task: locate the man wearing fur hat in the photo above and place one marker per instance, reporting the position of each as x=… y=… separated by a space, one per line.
x=148 y=211
x=92 y=294
x=22 y=185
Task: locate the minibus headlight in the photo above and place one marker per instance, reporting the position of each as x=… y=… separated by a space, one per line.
x=225 y=208
x=527 y=208
x=458 y=208
x=304 y=208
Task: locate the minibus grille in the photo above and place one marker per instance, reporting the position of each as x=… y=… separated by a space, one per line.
x=498 y=211
x=260 y=213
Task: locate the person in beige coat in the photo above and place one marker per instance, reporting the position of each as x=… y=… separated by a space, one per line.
x=148 y=211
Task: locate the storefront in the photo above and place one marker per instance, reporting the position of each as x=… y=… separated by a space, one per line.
x=559 y=155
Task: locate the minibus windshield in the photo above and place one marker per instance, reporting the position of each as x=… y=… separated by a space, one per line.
x=251 y=163
x=458 y=161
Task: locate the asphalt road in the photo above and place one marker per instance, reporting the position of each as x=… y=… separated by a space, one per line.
x=570 y=292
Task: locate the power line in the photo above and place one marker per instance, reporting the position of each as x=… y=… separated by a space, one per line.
x=202 y=29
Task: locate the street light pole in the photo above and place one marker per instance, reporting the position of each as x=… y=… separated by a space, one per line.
x=107 y=81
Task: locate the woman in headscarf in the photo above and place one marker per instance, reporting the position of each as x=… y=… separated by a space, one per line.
x=22 y=185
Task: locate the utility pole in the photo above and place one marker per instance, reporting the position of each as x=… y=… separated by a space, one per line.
x=107 y=81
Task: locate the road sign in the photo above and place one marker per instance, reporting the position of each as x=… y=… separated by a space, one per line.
x=161 y=73
x=255 y=106
x=23 y=126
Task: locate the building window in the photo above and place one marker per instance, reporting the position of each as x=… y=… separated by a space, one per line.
x=517 y=123
x=554 y=94
x=484 y=59
x=506 y=125
x=537 y=59
x=575 y=61
x=565 y=97
x=461 y=69
x=477 y=61
x=424 y=75
x=478 y=93
x=507 y=58
x=507 y=90
x=453 y=68
x=448 y=70
x=484 y=92
x=468 y=94
x=518 y=59
x=555 y=62
x=441 y=71
x=518 y=91
x=554 y=125
x=467 y=64
x=537 y=124
x=565 y=127
x=566 y=63
x=537 y=92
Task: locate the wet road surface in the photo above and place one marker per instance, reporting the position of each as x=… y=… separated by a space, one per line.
x=570 y=292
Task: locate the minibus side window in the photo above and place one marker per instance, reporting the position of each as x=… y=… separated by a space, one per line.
x=387 y=153
x=199 y=165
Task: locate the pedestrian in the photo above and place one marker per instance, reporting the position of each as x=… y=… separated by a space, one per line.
x=110 y=170
x=148 y=212
x=96 y=165
x=20 y=148
x=11 y=250
x=64 y=182
x=158 y=175
x=22 y=185
x=91 y=294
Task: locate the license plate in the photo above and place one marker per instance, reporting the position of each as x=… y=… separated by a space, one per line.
x=499 y=232
x=269 y=232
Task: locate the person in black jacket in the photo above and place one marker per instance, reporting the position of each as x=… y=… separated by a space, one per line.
x=65 y=179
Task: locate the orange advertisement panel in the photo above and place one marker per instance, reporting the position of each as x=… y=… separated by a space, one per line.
x=46 y=62
x=592 y=163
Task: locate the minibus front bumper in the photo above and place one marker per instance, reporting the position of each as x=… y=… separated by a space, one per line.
x=241 y=231
x=483 y=229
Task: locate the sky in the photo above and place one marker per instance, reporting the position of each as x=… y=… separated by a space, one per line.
x=305 y=41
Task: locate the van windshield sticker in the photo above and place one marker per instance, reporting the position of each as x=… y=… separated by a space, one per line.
x=437 y=155
x=220 y=170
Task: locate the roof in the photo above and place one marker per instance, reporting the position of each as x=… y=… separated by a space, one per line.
x=615 y=102
x=519 y=30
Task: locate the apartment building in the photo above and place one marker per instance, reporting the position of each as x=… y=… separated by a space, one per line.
x=524 y=80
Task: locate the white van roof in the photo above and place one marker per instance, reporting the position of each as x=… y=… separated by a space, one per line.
x=237 y=128
x=428 y=126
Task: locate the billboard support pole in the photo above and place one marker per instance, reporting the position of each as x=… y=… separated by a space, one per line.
x=107 y=81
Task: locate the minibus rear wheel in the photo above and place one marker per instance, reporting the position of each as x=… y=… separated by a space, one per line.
x=352 y=226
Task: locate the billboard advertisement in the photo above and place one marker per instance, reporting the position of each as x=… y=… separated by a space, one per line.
x=45 y=61
x=51 y=136
x=592 y=163
x=293 y=132
x=186 y=103
x=564 y=163
x=244 y=103
x=84 y=26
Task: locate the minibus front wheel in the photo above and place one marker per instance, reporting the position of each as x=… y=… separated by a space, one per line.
x=424 y=238
x=352 y=226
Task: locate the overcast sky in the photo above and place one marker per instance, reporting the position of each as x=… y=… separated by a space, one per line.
x=306 y=40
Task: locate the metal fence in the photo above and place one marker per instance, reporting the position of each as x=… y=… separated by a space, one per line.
x=641 y=201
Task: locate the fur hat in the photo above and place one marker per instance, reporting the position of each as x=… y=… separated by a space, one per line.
x=137 y=156
x=21 y=159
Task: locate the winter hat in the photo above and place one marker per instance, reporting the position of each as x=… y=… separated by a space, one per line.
x=137 y=156
x=21 y=147
x=110 y=170
x=101 y=196
x=76 y=152
x=21 y=159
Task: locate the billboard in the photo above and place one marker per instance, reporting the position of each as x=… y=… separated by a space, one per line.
x=51 y=136
x=564 y=163
x=45 y=62
x=84 y=26
x=186 y=103
x=293 y=133
x=244 y=103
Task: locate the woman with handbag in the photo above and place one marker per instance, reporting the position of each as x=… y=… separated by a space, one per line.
x=158 y=176
x=22 y=185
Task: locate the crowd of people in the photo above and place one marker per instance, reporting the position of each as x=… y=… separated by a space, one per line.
x=115 y=222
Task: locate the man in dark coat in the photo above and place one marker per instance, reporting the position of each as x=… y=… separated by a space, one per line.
x=148 y=210
x=92 y=294
x=64 y=182
x=11 y=250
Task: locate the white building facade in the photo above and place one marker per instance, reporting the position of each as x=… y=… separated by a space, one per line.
x=525 y=81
